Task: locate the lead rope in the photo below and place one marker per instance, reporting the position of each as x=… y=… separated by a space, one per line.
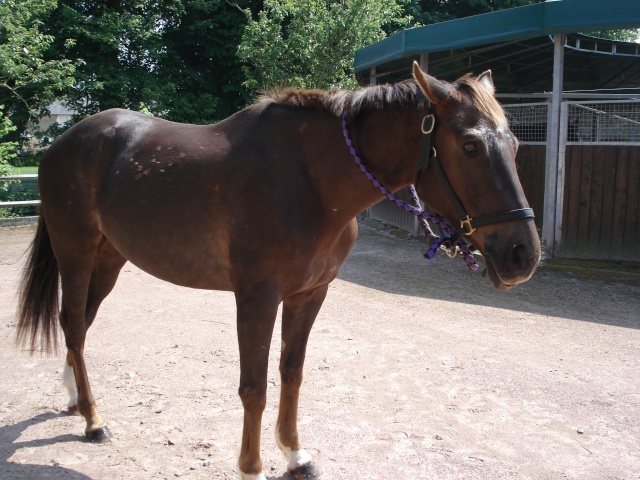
x=414 y=209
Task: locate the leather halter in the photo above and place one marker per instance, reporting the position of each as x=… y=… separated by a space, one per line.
x=468 y=225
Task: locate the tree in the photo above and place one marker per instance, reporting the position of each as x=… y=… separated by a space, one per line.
x=427 y=12
x=310 y=43
x=117 y=42
x=7 y=149
x=28 y=79
x=175 y=57
x=198 y=67
x=621 y=35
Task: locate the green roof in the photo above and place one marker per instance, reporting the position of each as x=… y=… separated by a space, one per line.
x=515 y=44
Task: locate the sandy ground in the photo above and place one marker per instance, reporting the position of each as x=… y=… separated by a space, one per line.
x=414 y=370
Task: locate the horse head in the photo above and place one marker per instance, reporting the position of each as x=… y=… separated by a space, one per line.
x=472 y=180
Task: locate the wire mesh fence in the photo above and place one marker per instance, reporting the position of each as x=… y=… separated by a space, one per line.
x=528 y=122
x=593 y=122
x=603 y=122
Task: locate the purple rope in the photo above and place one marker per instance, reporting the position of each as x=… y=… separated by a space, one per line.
x=415 y=210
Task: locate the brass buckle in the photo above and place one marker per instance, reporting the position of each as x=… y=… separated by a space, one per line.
x=433 y=124
x=466 y=225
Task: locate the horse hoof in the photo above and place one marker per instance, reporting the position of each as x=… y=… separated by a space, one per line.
x=73 y=410
x=308 y=471
x=100 y=435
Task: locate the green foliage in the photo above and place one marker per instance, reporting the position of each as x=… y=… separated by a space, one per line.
x=28 y=79
x=117 y=42
x=20 y=211
x=427 y=12
x=7 y=149
x=310 y=43
x=621 y=35
x=193 y=61
x=176 y=57
x=198 y=69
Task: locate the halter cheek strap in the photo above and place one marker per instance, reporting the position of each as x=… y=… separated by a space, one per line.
x=468 y=225
x=414 y=209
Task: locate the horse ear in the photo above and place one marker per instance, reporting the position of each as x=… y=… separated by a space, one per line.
x=487 y=81
x=435 y=90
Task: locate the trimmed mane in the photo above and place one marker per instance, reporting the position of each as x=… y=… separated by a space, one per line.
x=337 y=102
x=381 y=97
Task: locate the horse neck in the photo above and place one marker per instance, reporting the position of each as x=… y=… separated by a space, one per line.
x=389 y=144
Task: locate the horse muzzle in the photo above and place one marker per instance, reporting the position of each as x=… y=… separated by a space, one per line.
x=512 y=264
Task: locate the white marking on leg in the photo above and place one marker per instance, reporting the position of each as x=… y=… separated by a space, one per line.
x=69 y=382
x=295 y=458
x=252 y=476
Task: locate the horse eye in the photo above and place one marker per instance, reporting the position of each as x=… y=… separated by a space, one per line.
x=470 y=147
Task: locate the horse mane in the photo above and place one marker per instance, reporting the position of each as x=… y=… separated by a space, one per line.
x=379 y=97
x=482 y=99
x=337 y=101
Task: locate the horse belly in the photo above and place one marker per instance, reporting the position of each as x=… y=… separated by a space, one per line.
x=179 y=246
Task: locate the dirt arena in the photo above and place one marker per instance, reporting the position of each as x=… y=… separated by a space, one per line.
x=415 y=370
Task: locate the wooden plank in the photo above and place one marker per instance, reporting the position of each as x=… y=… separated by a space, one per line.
x=600 y=158
x=620 y=201
x=635 y=156
x=608 y=201
x=530 y=163
x=566 y=213
x=572 y=203
x=633 y=204
x=540 y=171
x=584 y=207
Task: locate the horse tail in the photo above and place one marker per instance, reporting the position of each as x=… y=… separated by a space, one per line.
x=39 y=301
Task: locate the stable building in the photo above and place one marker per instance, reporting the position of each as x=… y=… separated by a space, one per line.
x=572 y=100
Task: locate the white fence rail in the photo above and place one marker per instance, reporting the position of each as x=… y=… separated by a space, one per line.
x=19 y=203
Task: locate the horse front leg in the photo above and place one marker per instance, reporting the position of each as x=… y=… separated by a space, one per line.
x=299 y=313
x=257 y=309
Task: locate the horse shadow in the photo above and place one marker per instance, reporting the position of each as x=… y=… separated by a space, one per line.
x=392 y=265
x=9 y=434
x=9 y=444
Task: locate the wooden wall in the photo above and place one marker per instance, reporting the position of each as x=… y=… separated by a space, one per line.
x=531 y=166
x=601 y=206
x=601 y=203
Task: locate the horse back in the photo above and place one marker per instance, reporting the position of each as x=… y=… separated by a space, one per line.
x=202 y=206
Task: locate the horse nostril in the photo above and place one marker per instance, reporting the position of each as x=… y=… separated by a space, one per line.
x=520 y=256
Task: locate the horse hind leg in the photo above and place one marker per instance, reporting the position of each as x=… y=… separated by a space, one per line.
x=298 y=315
x=75 y=322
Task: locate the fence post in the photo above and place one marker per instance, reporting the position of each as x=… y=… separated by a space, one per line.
x=553 y=134
x=562 y=147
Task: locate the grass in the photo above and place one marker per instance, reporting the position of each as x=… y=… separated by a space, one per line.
x=26 y=170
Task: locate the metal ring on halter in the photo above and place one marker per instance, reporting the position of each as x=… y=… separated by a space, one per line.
x=452 y=252
x=433 y=124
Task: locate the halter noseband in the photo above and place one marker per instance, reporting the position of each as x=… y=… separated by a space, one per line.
x=468 y=225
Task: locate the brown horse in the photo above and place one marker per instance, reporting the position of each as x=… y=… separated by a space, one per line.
x=262 y=204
